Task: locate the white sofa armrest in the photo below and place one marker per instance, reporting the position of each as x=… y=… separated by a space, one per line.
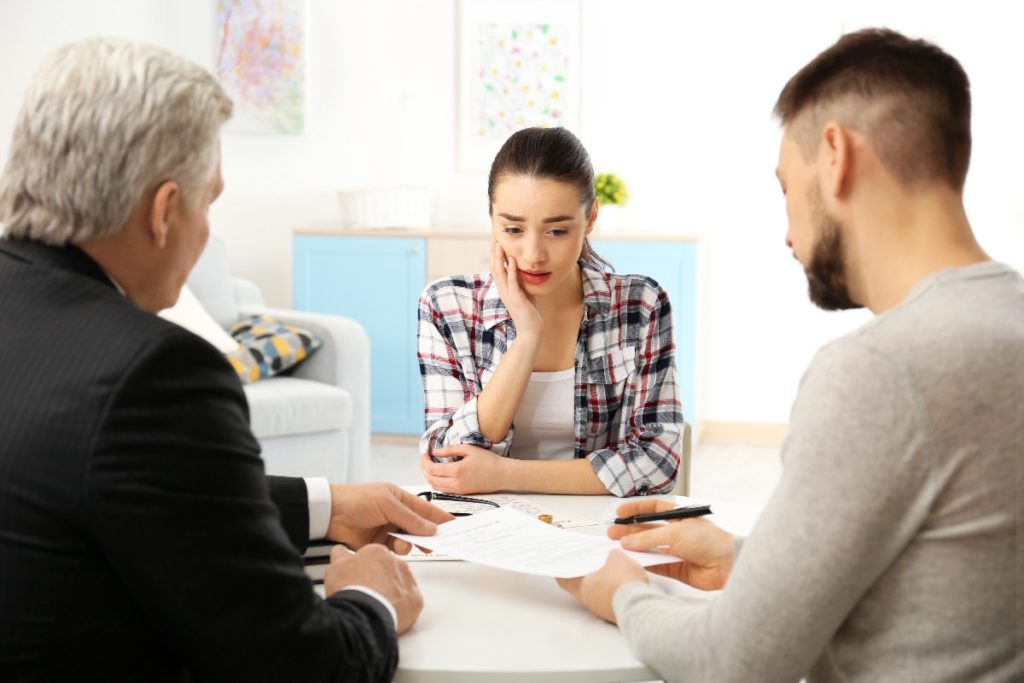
x=247 y=295
x=344 y=361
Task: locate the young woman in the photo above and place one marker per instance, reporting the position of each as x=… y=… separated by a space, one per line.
x=549 y=374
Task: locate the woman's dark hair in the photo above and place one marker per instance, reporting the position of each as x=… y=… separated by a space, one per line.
x=553 y=153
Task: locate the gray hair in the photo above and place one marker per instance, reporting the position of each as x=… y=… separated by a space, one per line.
x=103 y=122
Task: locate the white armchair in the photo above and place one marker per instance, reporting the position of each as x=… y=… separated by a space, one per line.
x=314 y=421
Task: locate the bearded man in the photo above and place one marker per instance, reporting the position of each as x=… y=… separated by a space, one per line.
x=890 y=550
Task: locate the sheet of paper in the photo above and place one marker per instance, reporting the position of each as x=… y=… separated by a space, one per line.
x=559 y=518
x=508 y=539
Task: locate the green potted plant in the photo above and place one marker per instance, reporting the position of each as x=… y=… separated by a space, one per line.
x=611 y=195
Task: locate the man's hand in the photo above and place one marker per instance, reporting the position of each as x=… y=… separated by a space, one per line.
x=597 y=590
x=376 y=568
x=367 y=513
x=706 y=549
x=477 y=470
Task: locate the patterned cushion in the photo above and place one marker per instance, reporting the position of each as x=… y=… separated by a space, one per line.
x=268 y=347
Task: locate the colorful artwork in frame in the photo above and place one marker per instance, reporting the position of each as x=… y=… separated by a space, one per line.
x=518 y=67
x=261 y=63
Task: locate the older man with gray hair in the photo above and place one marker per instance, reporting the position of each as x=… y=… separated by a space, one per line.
x=140 y=538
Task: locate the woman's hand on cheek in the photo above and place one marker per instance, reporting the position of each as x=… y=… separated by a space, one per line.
x=520 y=305
x=476 y=470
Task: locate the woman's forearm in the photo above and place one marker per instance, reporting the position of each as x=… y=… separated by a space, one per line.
x=553 y=476
x=499 y=400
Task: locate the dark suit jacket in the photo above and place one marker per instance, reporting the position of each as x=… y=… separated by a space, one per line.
x=138 y=538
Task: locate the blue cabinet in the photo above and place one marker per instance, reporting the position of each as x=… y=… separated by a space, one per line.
x=674 y=266
x=377 y=279
x=377 y=282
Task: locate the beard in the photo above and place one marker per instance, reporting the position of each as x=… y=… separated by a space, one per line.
x=826 y=274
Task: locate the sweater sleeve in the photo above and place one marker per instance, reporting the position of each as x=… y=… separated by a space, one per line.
x=851 y=497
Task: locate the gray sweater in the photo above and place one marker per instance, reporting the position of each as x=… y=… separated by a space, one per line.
x=892 y=548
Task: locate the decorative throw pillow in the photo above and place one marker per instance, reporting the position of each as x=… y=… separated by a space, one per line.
x=268 y=347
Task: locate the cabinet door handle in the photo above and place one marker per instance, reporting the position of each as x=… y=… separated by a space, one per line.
x=415 y=251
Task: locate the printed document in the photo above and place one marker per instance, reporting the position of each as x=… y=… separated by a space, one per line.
x=559 y=518
x=509 y=539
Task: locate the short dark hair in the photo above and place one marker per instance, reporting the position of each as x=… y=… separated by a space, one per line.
x=553 y=153
x=926 y=134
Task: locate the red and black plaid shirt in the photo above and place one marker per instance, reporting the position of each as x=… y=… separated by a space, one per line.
x=629 y=422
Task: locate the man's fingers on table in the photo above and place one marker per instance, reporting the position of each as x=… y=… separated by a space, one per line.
x=398 y=546
x=408 y=583
x=340 y=553
x=407 y=578
x=570 y=585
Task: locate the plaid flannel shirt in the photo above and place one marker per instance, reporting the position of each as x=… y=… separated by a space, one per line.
x=629 y=420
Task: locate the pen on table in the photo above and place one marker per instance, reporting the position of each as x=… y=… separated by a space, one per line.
x=678 y=513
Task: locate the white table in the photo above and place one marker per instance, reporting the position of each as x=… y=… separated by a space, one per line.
x=485 y=624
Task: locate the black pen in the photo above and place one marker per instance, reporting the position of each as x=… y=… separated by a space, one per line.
x=678 y=513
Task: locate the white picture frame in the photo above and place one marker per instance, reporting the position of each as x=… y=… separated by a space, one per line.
x=518 y=66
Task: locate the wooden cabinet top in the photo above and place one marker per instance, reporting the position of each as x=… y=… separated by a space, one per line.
x=622 y=236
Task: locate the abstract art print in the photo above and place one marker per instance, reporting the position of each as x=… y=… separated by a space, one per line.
x=518 y=67
x=261 y=63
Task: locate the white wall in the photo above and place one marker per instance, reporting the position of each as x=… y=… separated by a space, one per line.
x=675 y=96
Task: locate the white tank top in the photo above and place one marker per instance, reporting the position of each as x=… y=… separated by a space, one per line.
x=544 y=423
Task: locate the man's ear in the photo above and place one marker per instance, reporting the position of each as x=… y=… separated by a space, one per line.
x=165 y=206
x=593 y=215
x=837 y=148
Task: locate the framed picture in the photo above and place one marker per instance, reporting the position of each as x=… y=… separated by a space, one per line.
x=518 y=66
x=261 y=63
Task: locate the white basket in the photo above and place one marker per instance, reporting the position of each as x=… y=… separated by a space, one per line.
x=385 y=207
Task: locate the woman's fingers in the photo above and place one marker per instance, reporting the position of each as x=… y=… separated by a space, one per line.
x=515 y=290
x=494 y=260
x=435 y=471
x=455 y=450
x=498 y=269
x=440 y=475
